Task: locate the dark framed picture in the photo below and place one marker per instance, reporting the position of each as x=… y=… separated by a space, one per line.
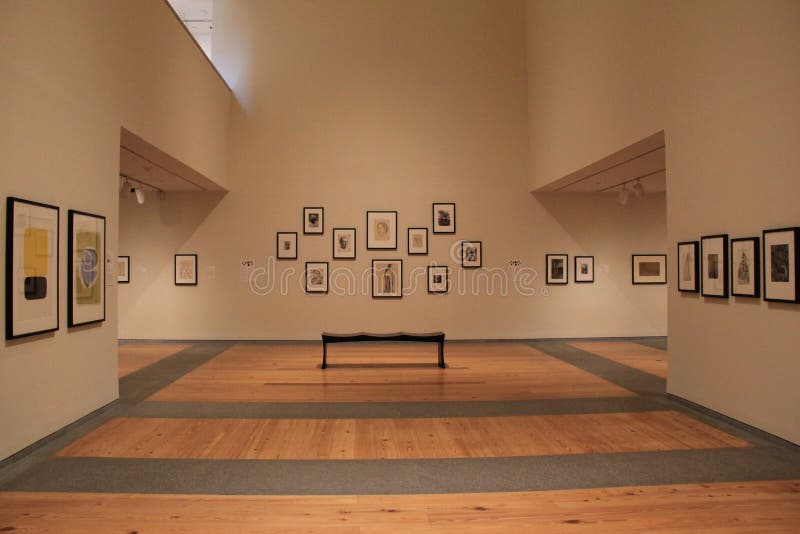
x=714 y=265
x=471 y=254
x=344 y=243
x=438 y=279
x=781 y=264
x=417 y=241
x=314 y=220
x=31 y=268
x=286 y=245
x=584 y=269
x=387 y=279
x=316 y=277
x=185 y=269
x=444 y=218
x=86 y=288
x=648 y=269
x=689 y=266
x=123 y=269
x=557 y=269
x=381 y=230
x=746 y=267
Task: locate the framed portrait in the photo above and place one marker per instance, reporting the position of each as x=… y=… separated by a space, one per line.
x=444 y=218
x=746 y=267
x=648 y=269
x=584 y=269
x=123 y=269
x=387 y=278
x=86 y=288
x=185 y=269
x=781 y=264
x=316 y=277
x=381 y=230
x=557 y=269
x=31 y=268
x=438 y=279
x=471 y=254
x=417 y=241
x=313 y=220
x=344 y=243
x=286 y=245
x=689 y=266
x=714 y=265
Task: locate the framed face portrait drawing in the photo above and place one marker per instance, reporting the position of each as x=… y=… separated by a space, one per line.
x=471 y=254
x=417 y=241
x=714 y=265
x=313 y=220
x=185 y=269
x=387 y=278
x=123 y=269
x=438 y=279
x=344 y=243
x=86 y=289
x=557 y=269
x=746 y=267
x=648 y=269
x=316 y=277
x=781 y=264
x=286 y=245
x=689 y=266
x=381 y=230
x=584 y=269
x=444 y=218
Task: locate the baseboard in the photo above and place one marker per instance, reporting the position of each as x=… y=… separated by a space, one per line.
x=453 y=340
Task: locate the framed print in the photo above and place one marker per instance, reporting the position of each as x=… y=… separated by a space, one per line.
x=316 y=277
x=781 y=264
x=584 y=269
x=557 y=268
x=444 y=218
x=86 y=288
x=286 y=245
x=438 y=279
x=689 y=266
x=746 y=267
x=185 y=269
x=387 y=278
x=313 y=220
x=471 y=254
x=417 y=241
x=381 y=230
x=31 y=268
x=344 y=243
x=648 y=269
x=123 y=269
x=714 y=265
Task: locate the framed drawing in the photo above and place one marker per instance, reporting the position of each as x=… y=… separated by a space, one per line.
x=185 y=269
x=86 y=268
x=286 y=245
x=313 y=220
x=316 y=277
x=471 y=254
x=714 y=265
x=31 y=268
x=381 y=230
x=444 y=218
x=557 y=269
x=344 y=243
x=387 y=279
x=438 y=279
x=417 y=241
x=781 y=264
x=584 y=269
x=689 y=266
x=746 y=263
x=123 y=269
x=649 y=269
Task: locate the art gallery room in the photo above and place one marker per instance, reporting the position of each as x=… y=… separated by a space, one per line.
x=400 y=266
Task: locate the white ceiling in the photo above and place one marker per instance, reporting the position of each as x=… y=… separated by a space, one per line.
x=198 y=17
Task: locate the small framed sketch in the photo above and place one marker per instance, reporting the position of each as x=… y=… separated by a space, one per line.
x=781 y=265
x=438 y=279
x=185 y=269
x=471 y=254
x=584 y=269
x=714 y=265
x=648 y=269
x=417 y=241
x=689 y=266
x=444 y=218
x=387 y=278
x=123 y=269
x=746 y=267
x=381 y=230
x=286 y=245
x=313 y=220
x=344 y=243
x=316 y=277
x=86 y=266
x=557 y=268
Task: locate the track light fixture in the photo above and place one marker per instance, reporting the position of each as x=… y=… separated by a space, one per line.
x=139 y=195
x=638 y=189
x=623 y=195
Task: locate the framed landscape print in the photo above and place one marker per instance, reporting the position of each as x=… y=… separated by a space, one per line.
x=286 y=245
x=746 y=267
x=387 y=278
x=417 y=241
x=185 y=269
x=123 y=269
x=313 y=220
x=31 y=268
x=86 y=295
x=316 y=277
x=584 y=269
x=714 y=265
x=344 y=243
x=381 y=230
x=689 y=266
x=444 y=218
x=781 y=265
x=557 y=269
x=649 y=269
x=438 y=279
x=471 y=254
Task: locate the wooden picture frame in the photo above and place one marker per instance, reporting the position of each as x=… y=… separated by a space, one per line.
x=387 y=279
x=123 y=269
x=185 y=269
x=313 y=220
x=781 y=264
x=317 y=276
x=381 y=230
x=344 y=243
x=438 y=279
x=557 y=269
x=714 y=266
x=584 y=269
x=444 y=218
x=286 y=245
x=471 y=254
x=648 y=269
x=689 y=266
x=417 y=242
x=86 y=268
x=745 y=260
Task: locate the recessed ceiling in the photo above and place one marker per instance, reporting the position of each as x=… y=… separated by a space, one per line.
x=198 y=17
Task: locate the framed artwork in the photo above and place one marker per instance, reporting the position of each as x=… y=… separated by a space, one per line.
x=781 y=264
x=31 y=268
x=746 y=267
x=123 y=269
x=381 y=230
x=648 y=269
x=185 y=269
x=286 y=245
x=714 y=265
x=316 y=277
x=313 y=220
x=438 y=279
x=689 y=266
x=557 y=268
x=344 y=243
x=584 y=269
x=417 y=241
x=471 y=254
x=444 y=218
x=387 y=279
x=86 y=288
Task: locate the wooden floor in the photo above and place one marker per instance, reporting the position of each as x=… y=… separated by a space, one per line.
x=636 y=355
x=133 y=357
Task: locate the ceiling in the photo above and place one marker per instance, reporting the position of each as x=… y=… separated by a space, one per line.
x=198 y=17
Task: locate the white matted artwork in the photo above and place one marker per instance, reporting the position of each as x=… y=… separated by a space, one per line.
x=745 y=267
x=286 y=245
x=316 y=277
x=185 y=269
x=387 y=278
x=381 y=230
x=438 y=279
x=714 y=265
x=344 y=243
x=314 y=220
x=417 y=241
x=648 y=269
x=123 y=269
x=584 y=269
x=689 y=266
x=444 y=218
x=781 y=265
x=557 y=269
x=86 y=289
x=471 y=254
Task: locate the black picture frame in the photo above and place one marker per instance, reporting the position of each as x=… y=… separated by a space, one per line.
x=371 y=238
x=394 y=295
x=549 y=280
x=73 y=276
x=659 y=279
x=789 y=294
x=471 y=264
x=126 y=279
x=308 y=228
x=408 y=244
x=721 y=241
x=694 y=266
x=327 y=277
x=431 y=272
x=436 y=225
x=752 y=269
x=576 y=270
x=279 y=254
x=175 y=269
x=336 y=253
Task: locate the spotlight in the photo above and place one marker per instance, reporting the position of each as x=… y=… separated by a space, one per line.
x=139 y=195
x=638 y=190
x=622 y=198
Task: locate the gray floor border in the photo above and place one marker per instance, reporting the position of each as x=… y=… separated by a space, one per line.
x=319 y=340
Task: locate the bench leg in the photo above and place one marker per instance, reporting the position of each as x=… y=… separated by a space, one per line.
x=441 y=355
x=324 y=355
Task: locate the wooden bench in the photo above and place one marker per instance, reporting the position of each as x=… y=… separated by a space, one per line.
x=434 y=337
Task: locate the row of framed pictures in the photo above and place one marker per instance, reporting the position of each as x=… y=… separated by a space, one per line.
x=382 y=225
x=185 y=269
x=387 y=278
x=645 y=269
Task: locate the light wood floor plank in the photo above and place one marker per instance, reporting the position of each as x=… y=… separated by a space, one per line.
x=133 y=357
x=641 y=357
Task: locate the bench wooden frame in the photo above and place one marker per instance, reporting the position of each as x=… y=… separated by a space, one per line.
x=433 y=337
